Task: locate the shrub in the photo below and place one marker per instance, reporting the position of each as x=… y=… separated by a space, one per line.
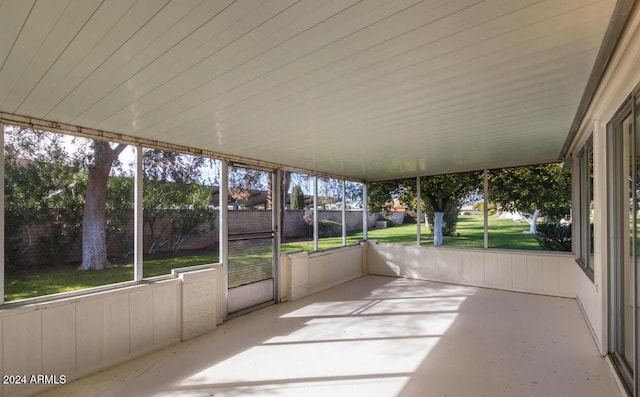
x=493 y=208
x=554 y=237
x=55 y=246
x=390 y=220
x=409 y=218
x=329 y=228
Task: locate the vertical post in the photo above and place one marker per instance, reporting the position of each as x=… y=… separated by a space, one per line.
x=276 y=186
x=485 y=195
x=344 y=214
x=223 y=242
x=315 y=213
x=2 y=275
x=365 y=211
x=138 y=222
x=634 y=251
x=418 y=209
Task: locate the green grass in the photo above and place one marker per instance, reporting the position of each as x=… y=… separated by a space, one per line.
x=32 y=283
x=505 y=234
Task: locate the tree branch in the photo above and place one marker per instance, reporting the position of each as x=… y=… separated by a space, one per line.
x=118 y=149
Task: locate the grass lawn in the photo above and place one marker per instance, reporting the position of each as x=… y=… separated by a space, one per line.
x=34 y=283
x=503 y=233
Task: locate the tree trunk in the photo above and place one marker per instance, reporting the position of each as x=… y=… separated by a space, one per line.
x=94 y=242
x=534 y=222
x=437 y=228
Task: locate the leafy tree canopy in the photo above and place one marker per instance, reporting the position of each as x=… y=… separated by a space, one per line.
x=382 y=194
x=545 y=187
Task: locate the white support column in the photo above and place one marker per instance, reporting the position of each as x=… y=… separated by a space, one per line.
x=601 y=231
x=2 y=275
x=223 y=244
x=418 y=209
x=276 y=196
x=315 y=213
x=138 y=222
x=365 y=211
x=344 y=214
x=485 y=195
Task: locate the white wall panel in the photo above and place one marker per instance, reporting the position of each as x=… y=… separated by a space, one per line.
x=89 y=334
x=317 y=271
x=505 y=272
x=540 y=273
x=477 y=267
x=519 y=271
x=116 y=327
x=250 y=295
x=442 y=267
x=534 y=273
x=491 y=270
x=141 y=319
x=22 y=350
x=284 y=285
x=591 y=301
x=199 y=302
x=82 y=334
x=452 y=259
x=166 y=310
x=299 y=273
x=621 y=77
x=551 y=274
x=59 y=340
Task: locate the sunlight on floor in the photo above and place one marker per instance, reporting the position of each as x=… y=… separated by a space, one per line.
x=372 y=344
x=377 y=336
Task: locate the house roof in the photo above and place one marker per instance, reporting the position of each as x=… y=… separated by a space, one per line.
x=367 y=90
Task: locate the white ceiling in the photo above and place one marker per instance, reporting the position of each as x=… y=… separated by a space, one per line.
x=363 y=89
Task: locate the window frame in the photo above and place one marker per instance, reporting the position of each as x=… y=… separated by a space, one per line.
x=584 y=251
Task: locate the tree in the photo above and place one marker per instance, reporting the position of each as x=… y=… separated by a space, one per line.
x=176 y=201
x=329 y=192
x=443 y=195
x=297 y=198
x=381 y=195
x=538 y=189
x=44 y=185
x=243 y=182
x=193 y=211
x=353 y=194
x=75 y=187
x=94 y=242
x=120 y=190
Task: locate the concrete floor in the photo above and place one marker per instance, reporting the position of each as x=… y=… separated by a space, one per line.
x=378 y=336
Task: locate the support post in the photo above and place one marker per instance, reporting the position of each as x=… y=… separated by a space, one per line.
x=344 y=214
x=276 y=186
x=418 y=209
x=138 y=220
x=365 y=212
x=2 y=236
x=315 y=213
x=223 y=239
x=485 y=195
